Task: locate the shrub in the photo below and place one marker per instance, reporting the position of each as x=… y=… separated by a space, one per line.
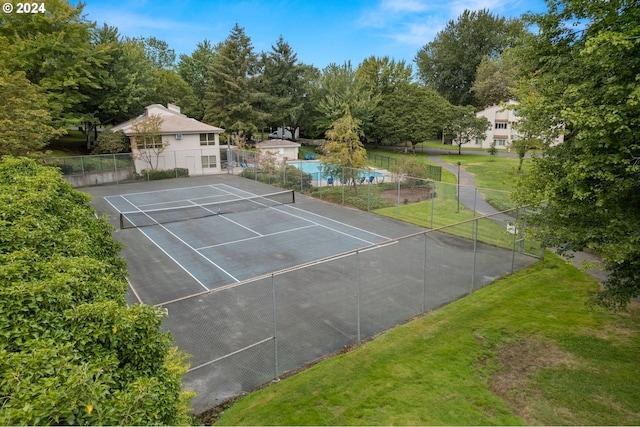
x=156 y=174
x=71 y=350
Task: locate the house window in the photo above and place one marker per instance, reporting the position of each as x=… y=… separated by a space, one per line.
x=501 y=125
x=500 y=142
x=149 y=144
x=207 y=139
x=208 y=162
x=479 y=141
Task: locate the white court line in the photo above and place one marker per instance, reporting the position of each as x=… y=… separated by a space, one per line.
x=239 y=225
x=167 y=190
x=326 y=226
x=191 y=200
x=187 y=245
x=165 y=252
x=257 y=237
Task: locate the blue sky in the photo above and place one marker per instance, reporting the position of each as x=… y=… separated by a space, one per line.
x=320 y=32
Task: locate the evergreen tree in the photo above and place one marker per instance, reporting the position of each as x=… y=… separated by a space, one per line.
x=283 y=82
x=231 y=95
x=194 y=70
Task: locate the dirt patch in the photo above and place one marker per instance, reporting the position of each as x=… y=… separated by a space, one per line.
x=407 y=195
x=519 y=362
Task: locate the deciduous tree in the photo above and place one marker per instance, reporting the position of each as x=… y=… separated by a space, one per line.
x=463 y=126
x=24 y=115
x=412 y=113
x=580 y=74
x=147 y=140
x=449 y=63
x=495 y=80
x=339 y=89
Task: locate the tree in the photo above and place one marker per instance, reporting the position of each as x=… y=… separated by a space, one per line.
x=522 y=146
x=24 y=115
x=341 y=89
x=343 y=150
x=55 y=52
x=580 y=78
x=464 y=126
x=283 y=81
x=168 y=87
x=72 y=352
x=412 y=113
x=382 y=77
x=147 y=140
x=449 y=63
x=112 y=142
x=124 y=81
x=493 y=152
x=194 y=70
x=158 y=52
x=495 y=80
x=231 y=89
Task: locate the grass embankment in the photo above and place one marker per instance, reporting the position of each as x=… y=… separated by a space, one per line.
x=524 y=350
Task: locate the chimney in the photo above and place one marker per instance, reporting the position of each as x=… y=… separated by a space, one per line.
x=173 y=107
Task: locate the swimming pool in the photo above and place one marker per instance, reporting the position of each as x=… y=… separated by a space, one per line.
x=314 y=168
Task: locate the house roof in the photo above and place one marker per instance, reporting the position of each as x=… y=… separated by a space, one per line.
x=277 y=143
x=172 y=121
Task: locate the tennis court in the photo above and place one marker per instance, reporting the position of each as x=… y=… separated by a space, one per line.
x=261 y=282
x=221 y=235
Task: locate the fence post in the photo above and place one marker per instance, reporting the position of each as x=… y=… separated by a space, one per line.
x=275 y=325
x=115 y=169
x=424 y=275
x=84 y=176
x=358 y=293
x=474 y=236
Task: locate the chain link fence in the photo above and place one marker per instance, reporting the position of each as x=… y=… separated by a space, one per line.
x=259 y=330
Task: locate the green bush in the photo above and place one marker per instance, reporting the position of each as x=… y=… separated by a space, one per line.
x=155 y=174
x=71 y=350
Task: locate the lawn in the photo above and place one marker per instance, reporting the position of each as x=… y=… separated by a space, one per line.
x=526 y=349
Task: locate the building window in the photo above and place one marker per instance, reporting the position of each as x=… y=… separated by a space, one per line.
x=500 y=142
x=501 y=125
x=479 y=141
x=208 y=162
x=207 y=139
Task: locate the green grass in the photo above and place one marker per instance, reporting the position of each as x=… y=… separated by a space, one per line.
x=571 y=364
x=500 y=174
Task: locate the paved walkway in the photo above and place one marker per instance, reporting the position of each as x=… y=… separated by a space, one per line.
x=469 y=194
x=468 y=198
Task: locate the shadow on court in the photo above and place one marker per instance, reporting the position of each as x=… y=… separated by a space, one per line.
x=258 y=294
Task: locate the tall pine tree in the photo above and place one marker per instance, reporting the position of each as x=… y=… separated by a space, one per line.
x=231 y=87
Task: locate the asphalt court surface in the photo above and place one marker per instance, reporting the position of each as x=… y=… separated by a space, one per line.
x=221 y=250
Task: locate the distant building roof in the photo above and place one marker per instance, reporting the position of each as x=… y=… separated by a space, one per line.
x=172 y=121
x=277 y=143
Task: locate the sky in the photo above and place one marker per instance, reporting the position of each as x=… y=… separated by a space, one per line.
x=320 y=32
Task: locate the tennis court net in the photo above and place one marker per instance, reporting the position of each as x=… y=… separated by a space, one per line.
x=145 y=218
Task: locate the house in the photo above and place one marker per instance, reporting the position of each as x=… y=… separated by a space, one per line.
x=185 y=142
x=279 y=149
x=503 y=130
